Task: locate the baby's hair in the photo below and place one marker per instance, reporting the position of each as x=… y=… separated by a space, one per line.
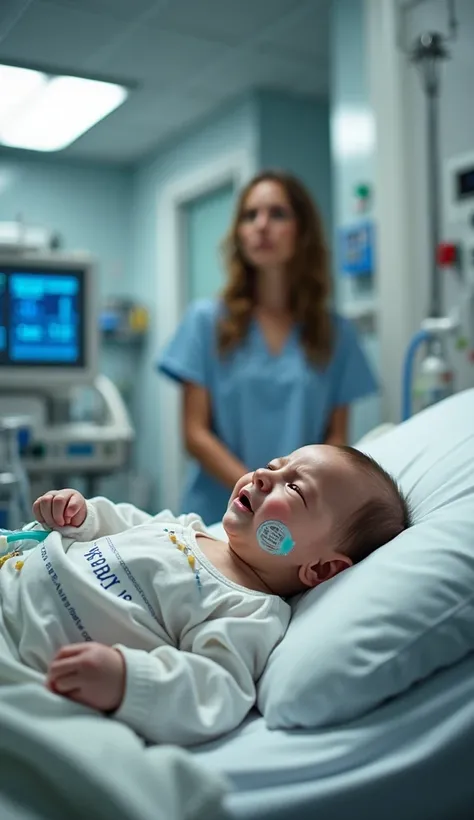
x=381 y=518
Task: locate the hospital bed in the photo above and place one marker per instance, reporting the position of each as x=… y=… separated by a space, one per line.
x=407 y=750
x=409 y=759
x=366 y=708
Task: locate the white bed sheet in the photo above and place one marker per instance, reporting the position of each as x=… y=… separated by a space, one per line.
x=410 y=759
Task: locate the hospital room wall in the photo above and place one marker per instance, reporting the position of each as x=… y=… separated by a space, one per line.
x=231 y=129
x=352 y=154
x=293 y=133
x=88 y=205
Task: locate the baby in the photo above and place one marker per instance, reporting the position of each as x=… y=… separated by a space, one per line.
x=156 y=623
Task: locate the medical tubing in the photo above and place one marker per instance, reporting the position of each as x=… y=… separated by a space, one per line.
x=35 y=536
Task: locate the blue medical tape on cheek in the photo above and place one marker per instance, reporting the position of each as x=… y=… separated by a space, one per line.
x=274 y=537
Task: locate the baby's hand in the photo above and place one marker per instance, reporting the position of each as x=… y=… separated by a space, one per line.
x=89 y=673
x=60 y=508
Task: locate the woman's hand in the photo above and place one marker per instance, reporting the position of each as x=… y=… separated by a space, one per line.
x=202 y=443
x=60 y=508
x=89 y=673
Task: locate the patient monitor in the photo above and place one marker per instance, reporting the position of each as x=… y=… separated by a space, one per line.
x=48 y=323
x=49 y=340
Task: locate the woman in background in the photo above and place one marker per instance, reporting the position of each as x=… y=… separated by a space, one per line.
x=266 y=367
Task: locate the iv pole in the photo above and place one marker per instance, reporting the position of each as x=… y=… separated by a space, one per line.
x=427 y=53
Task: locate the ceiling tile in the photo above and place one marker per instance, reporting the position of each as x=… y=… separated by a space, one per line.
x=10 y=13
x=305 y=35
x=232 y=21
x=57 y=37
x=148 y=109
x=160 y=59
x=127 y=10
x=125 y=148
x=127 y=145
x=150 y=116
x=256 y=69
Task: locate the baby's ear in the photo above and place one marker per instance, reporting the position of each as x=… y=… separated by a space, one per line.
x=319 y=571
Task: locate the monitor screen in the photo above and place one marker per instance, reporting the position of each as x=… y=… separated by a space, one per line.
x=41 y=318
x=43 y=330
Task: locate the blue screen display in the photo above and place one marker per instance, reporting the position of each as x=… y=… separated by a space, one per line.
x=41 y=318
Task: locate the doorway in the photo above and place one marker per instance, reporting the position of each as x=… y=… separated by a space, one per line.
x=206 y=220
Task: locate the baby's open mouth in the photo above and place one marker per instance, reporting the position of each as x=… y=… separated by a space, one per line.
x=245 y=500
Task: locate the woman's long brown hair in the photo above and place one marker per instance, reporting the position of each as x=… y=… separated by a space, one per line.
x=308 y=273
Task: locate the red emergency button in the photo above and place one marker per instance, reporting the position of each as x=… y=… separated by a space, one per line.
x=447 y=254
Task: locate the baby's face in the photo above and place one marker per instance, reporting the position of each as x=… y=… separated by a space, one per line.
x=311 y=491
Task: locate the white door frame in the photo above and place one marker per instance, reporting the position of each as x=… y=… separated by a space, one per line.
x=234 y=168
x=396 y=242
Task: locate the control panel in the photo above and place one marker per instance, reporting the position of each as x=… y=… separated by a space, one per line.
x=87 y=450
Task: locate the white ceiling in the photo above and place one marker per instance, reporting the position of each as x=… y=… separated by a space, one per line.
x=184 y=57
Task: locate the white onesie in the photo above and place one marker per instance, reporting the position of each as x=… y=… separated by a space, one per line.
x=194 y=642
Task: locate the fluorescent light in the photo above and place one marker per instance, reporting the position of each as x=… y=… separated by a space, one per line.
x=62 y=110
x=354 y=132
x=18 y=86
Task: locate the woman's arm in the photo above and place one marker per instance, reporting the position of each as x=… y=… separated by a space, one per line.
x=337 y=427
x=204 y=445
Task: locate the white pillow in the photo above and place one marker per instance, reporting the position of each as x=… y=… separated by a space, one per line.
x=404 y=612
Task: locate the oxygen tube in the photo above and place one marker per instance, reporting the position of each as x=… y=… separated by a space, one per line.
x=35 y=536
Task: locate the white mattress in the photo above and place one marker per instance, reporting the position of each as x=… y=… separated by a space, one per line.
x=409 y=760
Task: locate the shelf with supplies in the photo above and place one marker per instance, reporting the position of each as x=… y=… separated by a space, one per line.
x=123 y=321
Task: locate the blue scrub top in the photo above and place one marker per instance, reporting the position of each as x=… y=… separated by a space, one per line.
x=263 y=405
